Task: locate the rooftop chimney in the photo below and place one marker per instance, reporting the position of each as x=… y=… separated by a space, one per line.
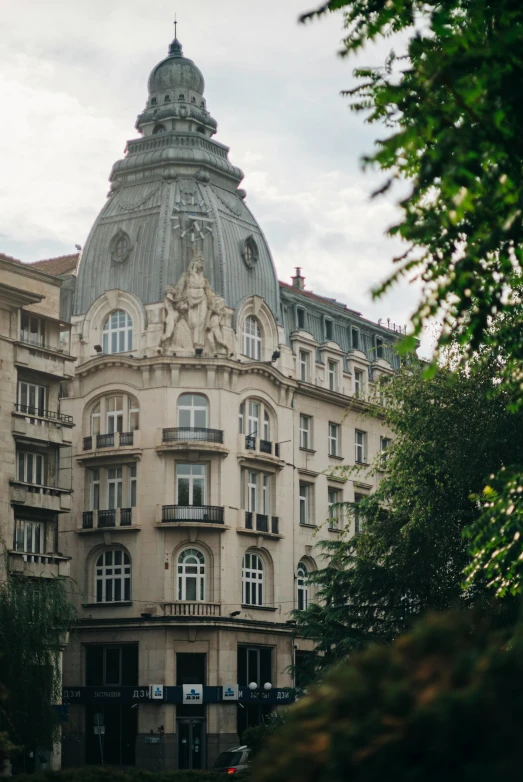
x=298 y=281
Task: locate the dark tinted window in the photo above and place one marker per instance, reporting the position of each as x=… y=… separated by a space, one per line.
x=301 y=319
x=228 y=759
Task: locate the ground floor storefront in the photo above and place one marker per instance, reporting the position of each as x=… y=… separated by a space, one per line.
x=163 y=696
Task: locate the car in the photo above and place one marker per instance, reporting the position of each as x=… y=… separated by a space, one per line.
x=233 y=760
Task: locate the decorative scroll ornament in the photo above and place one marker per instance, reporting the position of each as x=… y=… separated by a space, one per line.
x=194 y=317
x=120 y=247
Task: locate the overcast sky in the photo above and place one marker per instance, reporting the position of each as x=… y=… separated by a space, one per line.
x=74 y=77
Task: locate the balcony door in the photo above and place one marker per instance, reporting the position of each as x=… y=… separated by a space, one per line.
x=191 y=480
x=193 y=411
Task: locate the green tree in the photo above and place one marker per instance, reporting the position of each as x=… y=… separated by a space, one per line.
x=453 y=118
x=35 y=616
x=449 y=433
x=444 y=702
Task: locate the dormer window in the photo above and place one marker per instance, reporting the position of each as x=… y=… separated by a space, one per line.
x=159 y=128
x=193 y=99
x=328 y=329
x=153 y=101
x=355 y=339
x=167 y=99
x=181 y=96
x=379 y=347
x=301 y=318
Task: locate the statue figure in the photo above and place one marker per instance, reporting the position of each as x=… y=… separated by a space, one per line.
x=215 y=321
x=194 y=289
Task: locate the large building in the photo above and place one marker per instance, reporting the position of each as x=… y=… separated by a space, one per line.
x=213 y=407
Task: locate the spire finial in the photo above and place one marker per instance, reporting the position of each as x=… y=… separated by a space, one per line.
x=175 y=49
x=175 y=24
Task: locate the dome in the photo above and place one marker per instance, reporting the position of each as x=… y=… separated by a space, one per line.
x=176 y=71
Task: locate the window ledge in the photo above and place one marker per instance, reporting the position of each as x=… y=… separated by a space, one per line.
x=94 y=530
x=117 y=603
x=259 y=608
x=335 y=529
x=307 y=450
x=362 y=464
x=310 y=526
x=335 y=456
x=256 y=532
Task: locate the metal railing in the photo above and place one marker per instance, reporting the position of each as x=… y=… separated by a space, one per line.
x=105 y=440
x=265 y=446
x=126 y=517
x=250 y=442
x=192 y=434
x=41 y=345
x=38 y=411
x=108 y=440
x=107 y=518
x=126 y=438
x=209 y=514
x=260 y=522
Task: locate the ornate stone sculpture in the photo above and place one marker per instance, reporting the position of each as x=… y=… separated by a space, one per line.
x=194 y=317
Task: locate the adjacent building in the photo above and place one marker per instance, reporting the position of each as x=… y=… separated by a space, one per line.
x=213 y=407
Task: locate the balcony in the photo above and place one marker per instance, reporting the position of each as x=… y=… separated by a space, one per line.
x=47 y=359
x=38 y=565
x=37 y=424
x=196 y=439
x=254 y=448
x=205 y=514
x=52 y=498
x=112 y=440
x=108 y=519
x=198 y=608
x=259 y=522
x=113 y=444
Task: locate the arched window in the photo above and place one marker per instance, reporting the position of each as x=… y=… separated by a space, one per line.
x=252 y=580
x=301 y=583
x=191 y=575
x=256 y=421
x=118 y=332
x=193 y=410
x=116 y=413
x=95 y=419
x=159 y=129
x=252 y=338
x=113 y=576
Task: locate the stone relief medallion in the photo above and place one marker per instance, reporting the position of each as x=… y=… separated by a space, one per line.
x=249 y=252
x=120 y=246
x=194 y=317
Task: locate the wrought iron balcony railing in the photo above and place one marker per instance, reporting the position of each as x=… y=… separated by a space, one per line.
x=192 y=434
x=260 y=522
x=209 y=514
x=41 y=413
x=105 y=519
x=108 y=440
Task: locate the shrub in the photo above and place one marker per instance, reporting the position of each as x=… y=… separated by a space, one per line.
x=442 y=703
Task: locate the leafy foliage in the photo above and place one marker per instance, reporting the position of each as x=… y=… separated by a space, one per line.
x=449 y=433
x=453 y=120
x=444 y=702
x=257 y=738
x=35 y=615
x=112 y=774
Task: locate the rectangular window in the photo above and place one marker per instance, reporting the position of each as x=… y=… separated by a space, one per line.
x=305 y=431
x=132 y=485
x=328 y=329
x=134 y=415
x=334 y=497
x=31 y=398
x=191 y=482
x=111 y=665
x=258 y=492
x=355 y=339
x=32 y=467
x=94 y=489
x=379 y=347
x=241 y=418
x=332 y=375
x=252 y=492
x=358 y=518
x=254 y=665
x=301 y=318
x=253 y=418
x=360 y=446
x=305 y=503
x=334 y=440
x=114 y=414
x=32 y=329
x=305 y=365
x=358 y=382
x=30 y=536
x=114 y=487
x=266 y=495
x=385 y=442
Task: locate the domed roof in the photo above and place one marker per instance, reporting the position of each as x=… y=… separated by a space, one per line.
x=176 y=71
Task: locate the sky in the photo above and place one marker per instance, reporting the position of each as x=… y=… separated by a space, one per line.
x=74 y=78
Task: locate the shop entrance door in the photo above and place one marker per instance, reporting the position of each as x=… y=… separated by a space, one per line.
x=191 y=752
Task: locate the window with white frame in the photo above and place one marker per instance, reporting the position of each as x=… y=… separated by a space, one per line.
x=114 y=487
x=113 y=576
x=95 y=419
x=191 y=575
x=385 y=443
x=360 y=446
x=304 y=365
x=117 y=335
x=332 y=375
x=193 y=411
x=252 y=579
x=258 y=492
x=334 y=439
x=32 y=398
x=306 y=503
x=252 y=340
x=32 y=329
x=305 y=431
x=32 y=467
x=358 y=517
x=191 y=482
x=119 y=413
x=132 y=485
x=266 y=426
x=94 y=489
x=358 y=382
x=115 y=408
x=334 y=498
x=255 y=420
x=302 y=588
x=29 y=536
